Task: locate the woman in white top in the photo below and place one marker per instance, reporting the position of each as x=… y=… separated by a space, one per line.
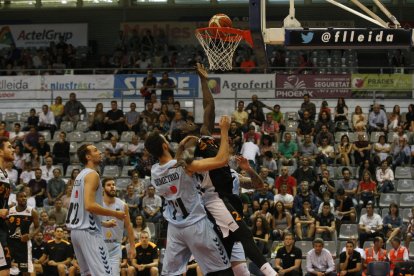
x=395 y=118
x=382 y=149
x=139 y=226
x=359 y=119
x=385 y=176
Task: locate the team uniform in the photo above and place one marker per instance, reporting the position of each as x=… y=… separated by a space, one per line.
x=86 y=232
x=5 y=258
x=21 y=252
x=57 y=252
x=113 y=236
x=187 y=219
x=146 y=256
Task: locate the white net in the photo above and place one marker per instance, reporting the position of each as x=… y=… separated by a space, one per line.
x=219 y=45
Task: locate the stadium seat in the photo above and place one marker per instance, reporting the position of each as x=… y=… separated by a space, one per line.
x=112 y=132
x=331 y=246
x=126 y=136
x=411 y=250
x=70 y=168
x=405 y=186
x=24 y=116
x=151 y=227
x=46 y=134
x=291 y=116
x=122 y=183
x=82 y=126
x=386 y=199
x=406 y=200
x=347 y=231
x=291 y=126
x=93 y=136
x=375 y=136
x=405 y=214
x=305 y=246
x=111 y=171
x=303 y=266
x=100 y=146
x=403 y=172
x=378 y=269
x=66 y=126
x=56 y=136
x=11 y=117
x=73 y=147
x=125 y=170
x=76 y=136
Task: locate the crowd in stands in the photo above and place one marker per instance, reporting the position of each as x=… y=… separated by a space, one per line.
x=326 y=170
x=135 y=54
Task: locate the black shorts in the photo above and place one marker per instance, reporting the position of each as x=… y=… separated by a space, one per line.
x=19 y=253
x=145 y=272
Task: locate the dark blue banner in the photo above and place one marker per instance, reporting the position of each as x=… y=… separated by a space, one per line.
x=130 y=85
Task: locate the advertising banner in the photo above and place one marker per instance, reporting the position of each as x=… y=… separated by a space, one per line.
x=40 y=35
x=227 y=86
x=317 y=86
x=349 y=38
x=130 y=85
x=393 y=86
x=21 y=87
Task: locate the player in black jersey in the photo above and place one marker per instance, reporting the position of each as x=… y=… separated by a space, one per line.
x=221 y=178
x=6 y=155
x=20 y=218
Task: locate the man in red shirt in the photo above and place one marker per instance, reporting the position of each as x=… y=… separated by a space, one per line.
x=286 y=178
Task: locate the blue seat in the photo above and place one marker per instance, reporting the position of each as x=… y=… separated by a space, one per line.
x=378 y=269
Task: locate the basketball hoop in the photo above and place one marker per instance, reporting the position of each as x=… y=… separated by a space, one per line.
x=220 y=43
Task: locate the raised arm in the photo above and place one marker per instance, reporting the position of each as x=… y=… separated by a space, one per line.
x=208 y=102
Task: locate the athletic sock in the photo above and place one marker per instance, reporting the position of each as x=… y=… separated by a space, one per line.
x=267 y=270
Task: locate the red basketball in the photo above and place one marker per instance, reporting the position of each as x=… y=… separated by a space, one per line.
x=220 y=20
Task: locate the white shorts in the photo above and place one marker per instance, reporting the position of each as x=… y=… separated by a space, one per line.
x=237 y=253
x=91 y=253
x=220 y=213
x=198 y=239
x=115 y=256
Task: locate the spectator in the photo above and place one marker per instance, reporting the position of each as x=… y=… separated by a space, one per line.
x=367 y=189
x=150 y=116
x=306 y=126
x=410 y=228
x=16 y=137
x=350 y=261
x=305 y=173
x=289 y=258
x=55 y=188
x=66 y=197
x=308 y=149
x=73 y=109
x=377 y=119
x=324 y=184
x=58 y=110
x=270 y=127
x=167 y=87
x=151 y=205
x=32 y=120
x=59 y=212
x=132 y=119
x=235 y=136
x=394 y=119
x=392 y=222
x=385 y=178
x=359 y=119
x=114 y=119
x=326 y=153
x=146 y=260
x=401 y=153
x=114 y=153
x=256 y=117
x=325 y=224
x=61 y=151
x=264 y=211
x=47 y=169
x=34 y=158
x=344 y=207
x=43 y=148
x=362 y=149
x=19 y=159
x=341 y=111
x=305 y=195
x=163 y=124
x=305 y=221
x=58 y=254
x=319 y=261
x=399 y=133
x=324 y=108
x=265 y=176
x=149 y=83
x=27 y=173
x=367 y=166
x=12 y=174
x=282 y=222
x=278 y=117
x=261 y=232
x=308 y=106
x=349 y=185
x=240 y=116
x=256 y=102
x=324 y=118
x=375 y=253
x=47 y=120
x=324 y=134
x=285 y=178
x=269 y=163
x=288 y=151
x=97 y=119
x=397 y=255
x=38 y=187
x=155 y=103
x=370 y=225
x=382 y=149
x=144 y=164
x=133 y=201
x=252 y=135
x=344 y=151
x=409 y=117
x=38 y=249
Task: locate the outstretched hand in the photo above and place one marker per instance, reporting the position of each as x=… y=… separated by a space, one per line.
x=243 y=163
x=187 y=140
x=201 y=71
x=225 y=123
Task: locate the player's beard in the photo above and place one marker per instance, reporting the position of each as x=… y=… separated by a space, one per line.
x=111 y=193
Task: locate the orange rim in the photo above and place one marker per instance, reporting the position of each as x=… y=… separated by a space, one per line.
x=230 y=34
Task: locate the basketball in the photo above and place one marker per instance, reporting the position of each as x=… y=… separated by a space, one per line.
x=220 y=20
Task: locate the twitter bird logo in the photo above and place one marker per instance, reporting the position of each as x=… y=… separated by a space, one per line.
x=307 y=38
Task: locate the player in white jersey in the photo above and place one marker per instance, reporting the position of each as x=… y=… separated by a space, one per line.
x=189 y=230
x=84 y=213
x=6 y=155
x=113 y=229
